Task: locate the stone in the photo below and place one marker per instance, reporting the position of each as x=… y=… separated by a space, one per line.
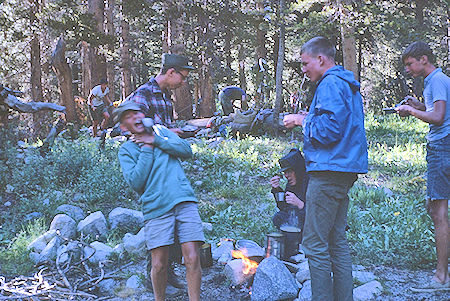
x=303 y=275
x=102 y=252
x=124 y=218
x=93 y=225
x=363 y=277
x=134 y=282
x=7 y=204
x=33 y=215
x=305 y=293
x=41 y=242
x=273 y=281
x=46 y=202
x=65 y=224
x=299 y=258
x=77 y=197
x=358 y=267
x=49 y=252
x=21 y=144
x=58 y=194
x=73 y=211
x=118 y=249
x=9 y=188
x=234 y=271
x=207 y=227
x=107 y=286
x=367 y=291
x=34 y=257
x=225 y=248
x=62 y=253
x=135 y=244
x=388 y=192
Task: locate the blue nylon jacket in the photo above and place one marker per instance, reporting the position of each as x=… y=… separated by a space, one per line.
x=334 y=135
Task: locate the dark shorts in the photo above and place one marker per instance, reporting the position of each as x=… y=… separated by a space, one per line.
x=183 y=222
x=97 y=114
x=438 y=172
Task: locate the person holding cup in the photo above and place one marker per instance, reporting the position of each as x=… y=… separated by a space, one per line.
x=290 y=201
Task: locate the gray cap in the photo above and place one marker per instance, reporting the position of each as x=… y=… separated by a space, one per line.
x=176 y=61
x=123 y=107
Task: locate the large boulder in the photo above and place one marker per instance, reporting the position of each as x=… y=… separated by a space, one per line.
x=102 y=252
x=135 y=244
x=273 y=281
x=124 y=218
x=234 y=271
x=64 y=251
x=65 y=224
x=363 y=277
x=41 y=242
x=93 y=225
x=305 y=292
x=223 y=253
x=73 y=211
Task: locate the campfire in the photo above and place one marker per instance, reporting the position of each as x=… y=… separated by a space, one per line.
x=249 y=266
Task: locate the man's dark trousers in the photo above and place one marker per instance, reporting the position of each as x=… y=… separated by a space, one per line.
x=324 y=238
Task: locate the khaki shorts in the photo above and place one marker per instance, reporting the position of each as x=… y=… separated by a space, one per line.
x=182 y=220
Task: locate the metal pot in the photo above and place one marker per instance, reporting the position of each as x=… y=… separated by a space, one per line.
x=206 y=256
x=293 y=237
x=275 y=245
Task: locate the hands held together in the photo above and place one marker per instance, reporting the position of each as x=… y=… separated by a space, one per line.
x=291 y=198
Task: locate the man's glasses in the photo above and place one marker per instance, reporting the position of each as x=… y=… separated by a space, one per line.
x=183 y=77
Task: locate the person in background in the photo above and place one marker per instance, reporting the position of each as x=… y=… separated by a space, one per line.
x=335 y=149
x=228 y=96
x=99 y=102
x=419 y=62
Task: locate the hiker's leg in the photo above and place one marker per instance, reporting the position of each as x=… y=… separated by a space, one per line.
x=438 y=210
x=193 y=269
x=159 y=272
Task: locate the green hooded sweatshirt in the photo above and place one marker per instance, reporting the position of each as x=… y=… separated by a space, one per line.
x=156 y=173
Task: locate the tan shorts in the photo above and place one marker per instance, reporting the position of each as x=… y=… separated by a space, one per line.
x=183 y=221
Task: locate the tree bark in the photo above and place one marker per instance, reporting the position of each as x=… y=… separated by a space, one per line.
x=242 y=79
x=280 y=65
x=86 y=77
x=418 y=82
x=348 y=39
x=175 y=41
x=64 y=75
x=111 y=32
x=98 y=61
x=261 y=51
x=127 y=87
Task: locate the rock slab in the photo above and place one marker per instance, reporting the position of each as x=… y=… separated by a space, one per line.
x=135 y=244
x=102 y=252
x=65 y=224
x=273 y=281
x=234 y=271
x=73 y=211
x=305 y=292
x=367 y=291
x=124 y=218
x=93 y=225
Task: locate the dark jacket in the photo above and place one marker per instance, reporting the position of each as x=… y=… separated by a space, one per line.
x=334 y=135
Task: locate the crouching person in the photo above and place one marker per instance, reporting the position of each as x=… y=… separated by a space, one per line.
x=150 y=163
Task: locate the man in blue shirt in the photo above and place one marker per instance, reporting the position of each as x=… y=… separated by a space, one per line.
x=335 y=149
x=418 y=59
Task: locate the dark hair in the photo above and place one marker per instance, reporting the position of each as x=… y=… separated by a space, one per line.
x=103 y=81
x=164 y=69
x=417 y=50
x=319 y=45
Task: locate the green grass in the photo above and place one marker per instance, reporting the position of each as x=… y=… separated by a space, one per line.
x=231 y=182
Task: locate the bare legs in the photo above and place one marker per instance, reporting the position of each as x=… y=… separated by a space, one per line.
x=438 y=211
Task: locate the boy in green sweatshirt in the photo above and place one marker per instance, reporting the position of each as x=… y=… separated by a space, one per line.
x=151 y=166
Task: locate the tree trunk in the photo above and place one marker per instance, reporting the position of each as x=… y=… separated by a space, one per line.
x=348 y=39
x=261 y=53
x=86 y=78
x=280 y=65
x=418 y=82
x=127 y=87
x=98 y=61
x=110 y=63
x=242 y=80
x=175 y=41
x=64 y=75
x=227 y=44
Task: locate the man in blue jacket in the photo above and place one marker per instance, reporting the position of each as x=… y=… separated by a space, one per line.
x=335 y=149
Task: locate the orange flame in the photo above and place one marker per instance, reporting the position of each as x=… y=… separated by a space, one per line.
x=249 y=265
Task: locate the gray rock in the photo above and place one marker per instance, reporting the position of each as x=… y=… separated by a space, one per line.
x=41 y=242
x=303 y=275
x=135 y=244
x=93 y=225
x=124 y=218
x=134 y=282
x=7 y=204
x=305 y=293
x=363 y=277
x=73 y=211
x=107 y=286
x=234 y=271
x=273 y=281
x=62 y=254
x=225 y=248
x=33 y=215
x=358 y=267
x=21 y=144
x=102 y=252
x=65 y=224
x=367 y=291
x=46 y=202
x=49 y=252
x=58 y=194
x=9 y=188
x=34 y=257
x=207 y=227
x=119 y=249
x=299 y=258
x=77 y=197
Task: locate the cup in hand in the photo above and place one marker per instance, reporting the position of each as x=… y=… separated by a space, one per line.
x=280 y=196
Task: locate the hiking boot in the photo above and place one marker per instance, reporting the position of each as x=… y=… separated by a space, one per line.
x=172 y=278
